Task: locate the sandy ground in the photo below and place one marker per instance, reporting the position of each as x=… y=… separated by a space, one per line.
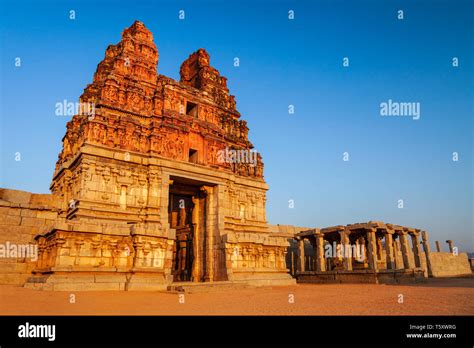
x=437 y=297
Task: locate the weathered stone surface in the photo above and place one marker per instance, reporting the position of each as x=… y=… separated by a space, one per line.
x=19 y=223
x=148 y=140
x=446 y=264
x=161 y=117
x=15 y=196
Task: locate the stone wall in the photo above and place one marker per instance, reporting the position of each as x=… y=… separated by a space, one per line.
x=291 y=256
x=22 y=216
x=446 y=264
x=286 y=229
x=92 y=256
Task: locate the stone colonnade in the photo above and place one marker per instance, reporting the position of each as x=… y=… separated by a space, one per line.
x=371 y=245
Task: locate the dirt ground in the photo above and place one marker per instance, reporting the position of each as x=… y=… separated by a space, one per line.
x=436 y=297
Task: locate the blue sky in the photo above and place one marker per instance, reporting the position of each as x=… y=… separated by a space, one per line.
x=282 y=62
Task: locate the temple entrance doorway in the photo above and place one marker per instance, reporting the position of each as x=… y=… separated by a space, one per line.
x=181 y=207
x=187 y=215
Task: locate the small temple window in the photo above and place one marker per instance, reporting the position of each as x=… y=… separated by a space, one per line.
x=193 y=156
x=191 y=109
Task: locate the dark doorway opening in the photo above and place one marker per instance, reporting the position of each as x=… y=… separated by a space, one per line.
x=193 y=156
x=187 y=215
x=191 y=109
x=180 y=217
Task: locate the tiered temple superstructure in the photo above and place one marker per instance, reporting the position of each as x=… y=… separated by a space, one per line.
x=147 y=196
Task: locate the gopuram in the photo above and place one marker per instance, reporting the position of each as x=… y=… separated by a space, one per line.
x=148 y=193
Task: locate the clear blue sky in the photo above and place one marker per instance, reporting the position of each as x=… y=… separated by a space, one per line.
x=282 y=62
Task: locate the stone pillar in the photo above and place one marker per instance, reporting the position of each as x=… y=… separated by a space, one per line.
x=372 y=249
x=301 y=255
x=389 y=250
x=416 y=249
x=210 y=220
x=196 y=271
x=363 y=249
x=294 y=262
x=319 y=254
x=164 y=201
x=154 y=190
x=346 y=254
x=426 y=248
x=438 y=246
x=396 y=249
x=450 y=245
x=220 y=206
x=182 y=216
x=405 y=250
x=379 y=248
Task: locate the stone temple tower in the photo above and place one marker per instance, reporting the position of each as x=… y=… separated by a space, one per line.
x=158 y=182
